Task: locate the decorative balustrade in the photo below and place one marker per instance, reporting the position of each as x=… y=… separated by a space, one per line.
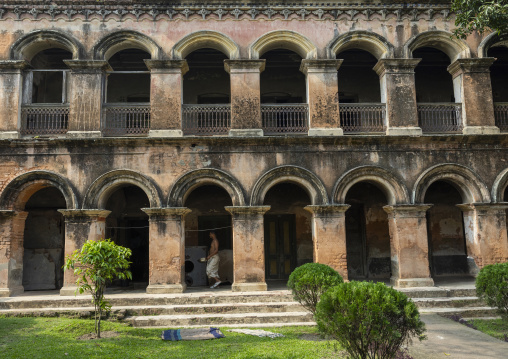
x=44 y=119
x=285 y=118
x=440 y=117
x=206 y=120
x=362 y=117
x=501 y=115
x=126 y=119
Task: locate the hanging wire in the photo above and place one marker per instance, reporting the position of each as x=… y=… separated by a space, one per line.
x=187 y=230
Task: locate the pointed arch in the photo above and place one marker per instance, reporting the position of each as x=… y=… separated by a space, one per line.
x=121 y=40
x=392 y=187
x=490 y=41
x=297 y=175
x=205 y=39
x=469 y=184
x=371 y=42
x=441 y=40
x=29 y=45
x=283 y=39
x=99 y=191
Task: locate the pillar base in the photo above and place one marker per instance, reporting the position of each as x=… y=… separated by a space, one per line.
x=9 y=292
x=411 y=282
x=71 y=291
x=404 y=131
x=248 y=132
x=7 y=135
x=481 y=130
x=165 y=133
x=249 y=287
x=323 y=132
x=83 y=134
x=165 y=288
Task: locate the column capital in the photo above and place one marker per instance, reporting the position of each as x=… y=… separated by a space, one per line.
x=407 y=210
x=167 y=66
x=88 y=66
x=246 y=211
x=483 y=207
x=461 y=66
x=9 y=65
x=395 y=66
x=232 y=66
x=328 y=210
x=166 y=212
x=84 y=214
x=327 y=65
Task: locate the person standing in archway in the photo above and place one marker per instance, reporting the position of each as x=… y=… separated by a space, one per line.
x=212 y=266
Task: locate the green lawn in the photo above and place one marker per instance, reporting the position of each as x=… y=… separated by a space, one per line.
x=497 y=328
x=56 y=338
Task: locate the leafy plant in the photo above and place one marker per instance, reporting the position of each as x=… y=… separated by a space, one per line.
x=96 y=263
x=309 y=281
x=492 y=286
x=370 y=320
x=480 y=16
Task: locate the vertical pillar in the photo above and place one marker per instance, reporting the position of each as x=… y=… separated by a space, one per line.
x=245 y=96
x=81 y=225
x=12 y=227
x=485 y=228
x=329 y=236
x=11 y=79
x=323 y=96
x=409 y=245
x=85 y=97
x=166 y=250
x=397 y=78
x=166 y=94
x=472 y=86
x=248 y=248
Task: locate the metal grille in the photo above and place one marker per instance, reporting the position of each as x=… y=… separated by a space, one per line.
x=126 y=119
x=206 y=120
x=501 y=115
x=440 y=117
x=44 y=119
x=285 y=118
x=362 y=117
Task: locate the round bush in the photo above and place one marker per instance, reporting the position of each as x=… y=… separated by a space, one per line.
x=492 y=286
x=309 y=281
x=369 y=320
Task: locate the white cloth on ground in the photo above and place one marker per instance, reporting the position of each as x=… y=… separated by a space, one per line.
x=257 y=332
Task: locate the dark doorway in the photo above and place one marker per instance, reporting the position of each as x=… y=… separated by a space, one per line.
x=280 y=246
x=356 y=242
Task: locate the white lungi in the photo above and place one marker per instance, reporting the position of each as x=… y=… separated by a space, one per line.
x=212 y=267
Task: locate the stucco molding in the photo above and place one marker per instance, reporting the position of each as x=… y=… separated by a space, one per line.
x=27 y=46
x=126 y=39
x=283 y=39
x=441 y=40
x=205 y=39
x=368 y=41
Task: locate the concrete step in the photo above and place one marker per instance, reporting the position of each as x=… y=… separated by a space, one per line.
x=472 y=312
x=449 y=302
x=437 y=292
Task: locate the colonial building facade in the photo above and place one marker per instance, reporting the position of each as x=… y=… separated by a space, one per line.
x=360 y=135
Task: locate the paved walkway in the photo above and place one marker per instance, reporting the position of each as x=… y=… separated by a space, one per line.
x=449 y=339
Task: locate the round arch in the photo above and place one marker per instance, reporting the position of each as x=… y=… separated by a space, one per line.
x=99 y=191
x=196 y=178
x=122 y=40
x=205 y=39
x=21 y=188
x=27 y=46
x=490 y=41
x=470 y=186
x=441 y=40
x=393 y=188
x=297 y=175
x=373 y=43
x=500 y=184
x=283 y=39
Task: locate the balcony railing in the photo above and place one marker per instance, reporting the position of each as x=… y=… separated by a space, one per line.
x=362 y=117
x=44 y=119
x=288 y=118
x=206 y=120
x=501 y=115
x=440 y=117
x=126 y=119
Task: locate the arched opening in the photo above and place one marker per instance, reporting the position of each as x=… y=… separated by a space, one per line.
x=44 y=238
x=127 y=225
x=437 y=107
x=207 y=204
x=499 y=78
x=367 y=233
x=359 y=93
x=206 y=94
x=288 y=230
x=283 y=93
x=445 y=231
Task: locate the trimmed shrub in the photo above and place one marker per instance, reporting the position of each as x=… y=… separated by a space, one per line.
x=492 y=286
x=309 y=281
x=369 y=320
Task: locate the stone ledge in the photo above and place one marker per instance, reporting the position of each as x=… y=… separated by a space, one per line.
x=404 y=131
x=481 y=130
x=324 y=132
x=250 y=132
x=411 y=282
x=83 y=134
x=71 y=291
x=165 y=288
x=9 y=135
x=165 y=133
x=249 y=287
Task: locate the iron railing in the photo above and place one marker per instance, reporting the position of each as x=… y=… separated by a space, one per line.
x=501 y=115
x=125 y=119
x=440 y=117
x=288 y=118
x=44 y=119
x=206 y=120
x=362 y=117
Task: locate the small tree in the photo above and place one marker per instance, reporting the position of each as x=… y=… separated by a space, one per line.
x=492 y=286
x=96 y=263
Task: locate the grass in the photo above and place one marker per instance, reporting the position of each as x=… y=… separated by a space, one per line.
x=56 y=338
x=497 y=328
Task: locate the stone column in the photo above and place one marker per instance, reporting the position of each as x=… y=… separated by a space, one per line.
x=323 y=96
x=12 y=228
x=166 y=94
x=86 y=97
x=472 y=87
x=409 y=245
x=486 y=237
x=166 y=250
x=245 y=96
x=248 y=248
x=397 y=77
x=11 y=80
x=329 y=236
x=81 y=225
